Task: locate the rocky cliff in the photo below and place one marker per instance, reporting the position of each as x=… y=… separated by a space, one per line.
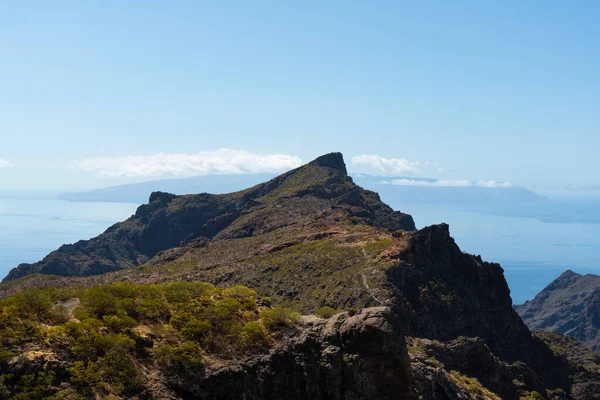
x=359 y=357
x=569 y=305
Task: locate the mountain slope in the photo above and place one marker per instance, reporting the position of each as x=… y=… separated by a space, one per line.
x=570 y=305
x=168 y=221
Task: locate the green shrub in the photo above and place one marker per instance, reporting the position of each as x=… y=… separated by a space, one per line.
x=153 y=309
x=33 y=304
x=26 y=387
x=121 y=290
x=278 y=318
x=182 y=292
x=5 y=356
x=326 y=312
x=196 y=329
x=118 y=324
x=15 y=327
x=238 y=292
x=106 y=361
x=98 y=302
x=113 y=372
x=183 y=358
x=103 y=342
x=254 y=335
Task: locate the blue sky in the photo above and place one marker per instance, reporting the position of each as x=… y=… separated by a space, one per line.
x=91 y=91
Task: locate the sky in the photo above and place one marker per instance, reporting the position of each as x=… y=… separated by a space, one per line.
x=97 y=93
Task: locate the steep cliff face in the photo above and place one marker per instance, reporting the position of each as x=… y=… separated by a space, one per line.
x=570 y=305
x=445 y=293
x=579 y=363
x=443 y=369
x=346 y=357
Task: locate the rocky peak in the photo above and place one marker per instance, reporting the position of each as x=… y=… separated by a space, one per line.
x=161 y=197
x=335 y=161
x=565 y=280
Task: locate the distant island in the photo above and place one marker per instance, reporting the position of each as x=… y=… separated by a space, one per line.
x=138 y=193
x=402 y=189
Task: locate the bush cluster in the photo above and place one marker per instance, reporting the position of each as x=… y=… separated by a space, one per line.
x=119 y=326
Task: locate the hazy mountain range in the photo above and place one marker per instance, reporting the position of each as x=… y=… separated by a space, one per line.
x=488 y=197
x=404 y=189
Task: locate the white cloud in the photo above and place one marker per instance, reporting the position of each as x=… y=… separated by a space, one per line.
x=492 y=184
x=389 y=166
x=448 y=183
x=4 y=163
x=218 y=162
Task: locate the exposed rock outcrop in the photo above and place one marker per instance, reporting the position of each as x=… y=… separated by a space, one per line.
x=444 y=293
x=580 y=364
x=570 y=305
x=347 y=357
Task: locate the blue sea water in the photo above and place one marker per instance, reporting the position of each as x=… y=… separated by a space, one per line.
x=532 y=252
x=30 y=228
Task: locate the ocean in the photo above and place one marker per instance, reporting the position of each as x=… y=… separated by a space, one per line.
x=532 y=252
x=30 y=228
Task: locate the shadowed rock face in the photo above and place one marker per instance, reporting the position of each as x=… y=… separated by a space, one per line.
x=347 y=357
x=569 y=305
x=580 y=364
x=169 y=221
x=443 y=293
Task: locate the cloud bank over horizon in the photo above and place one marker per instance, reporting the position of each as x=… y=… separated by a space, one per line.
x=5 y=163
x=449 y=183
x=217 y=162
x=235 y=162
x=392 y=166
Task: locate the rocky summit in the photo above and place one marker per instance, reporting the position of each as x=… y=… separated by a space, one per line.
x=303 y=287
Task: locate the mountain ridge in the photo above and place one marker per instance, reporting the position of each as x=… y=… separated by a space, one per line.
x=187 y=217
x=568 y=305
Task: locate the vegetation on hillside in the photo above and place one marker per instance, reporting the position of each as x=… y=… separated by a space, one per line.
x=103 y=339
